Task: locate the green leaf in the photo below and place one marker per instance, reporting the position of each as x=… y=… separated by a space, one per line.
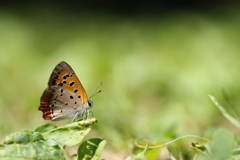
x=221 y=145
x=199 y=148
x=230 y=117
x=201 y=151
x=236 y=153
x=87 y=122
x=91 y=149
x=46 y=142
x=140 y=156
x=46 y=127
x=71 y=134
x=24 y=136
x=29 y=145
x=220 y=148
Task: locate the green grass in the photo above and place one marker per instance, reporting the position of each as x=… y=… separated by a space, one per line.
x=156 y=72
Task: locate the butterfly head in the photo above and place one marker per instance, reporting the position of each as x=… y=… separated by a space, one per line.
x=90 y=103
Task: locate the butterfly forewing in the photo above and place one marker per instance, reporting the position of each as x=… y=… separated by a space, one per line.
x=63 y=75
x=65 y=96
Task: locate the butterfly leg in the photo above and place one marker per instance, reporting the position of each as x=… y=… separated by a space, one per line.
x=91 y=113
x=85 y=115
x=76 y=115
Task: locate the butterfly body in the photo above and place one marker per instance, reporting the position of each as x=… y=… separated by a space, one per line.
x=65 y=96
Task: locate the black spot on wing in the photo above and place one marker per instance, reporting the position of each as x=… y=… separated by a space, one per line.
x=72 y=83
x=75 y=90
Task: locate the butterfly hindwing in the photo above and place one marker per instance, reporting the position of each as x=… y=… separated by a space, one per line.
x=56 y=106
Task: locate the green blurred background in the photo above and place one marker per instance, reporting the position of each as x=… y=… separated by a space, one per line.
x=158 y=63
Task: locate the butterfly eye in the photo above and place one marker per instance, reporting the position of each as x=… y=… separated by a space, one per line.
x=90 y=103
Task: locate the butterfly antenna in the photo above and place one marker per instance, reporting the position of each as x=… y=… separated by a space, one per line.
x=94 y=93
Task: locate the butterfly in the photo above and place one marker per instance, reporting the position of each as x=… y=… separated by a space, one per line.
x=65 y=96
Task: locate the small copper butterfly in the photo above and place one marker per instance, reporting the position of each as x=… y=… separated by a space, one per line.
x=65 y=96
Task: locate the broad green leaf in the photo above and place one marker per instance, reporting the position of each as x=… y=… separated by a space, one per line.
x=29 y=145
x=46 y=127
x=46 y=142
x=71 y=134
x=221 y=145
x=24 y=136
x=219 y=149
x=91 y=149
x=230 y=117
